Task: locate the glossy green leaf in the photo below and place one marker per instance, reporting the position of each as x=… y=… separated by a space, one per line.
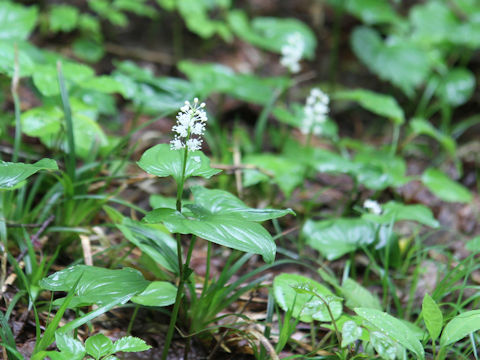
x=357 y=296
x=97 y=285
x=161 y=161
x=404 y=64
x=432 y=22
x=104 y=84
x=380 y=104
x=432 y=315
x=158 y=293
x=271 y=33
x=152 y=94
x=351 y=332
x=12 y=174
x=98 y=346
x=302 y=305
x=42 y=121
x=215 y=78
x=396 y=211
x=130 y=344
x=224 y=229
x=223 y=202
x=337 y=237
x=393 y=328
x=197 y=19
x=460 y=326
x=63 y=18
x=7 y=59
x=69 y=346
x=154 y=242
x=457 y=86
x=422 y=127
x=444 y=188
x=372 y=11
x=286 y=173
x=16 y=21
x=383 y=345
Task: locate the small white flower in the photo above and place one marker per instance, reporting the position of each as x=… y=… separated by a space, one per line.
x=292 y=52
x=190 y=121
x=373 y=206
x=315 y=112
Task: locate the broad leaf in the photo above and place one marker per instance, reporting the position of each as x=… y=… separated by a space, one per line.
x=432 y=22
x=224 y=229
x=357 y=296
x=223 y=202
x=400 y=62
x=97 y=285
x=271 y=33
x=63 y=18
x=150 y=94
x=383 y=345
x=432 y=315
x=42 y=121
x=422 y=127
x=69 y=346
x=98 y=346
x=7 y=59
x=215 y=78
x=158 y=293
x=12 y=174
x=161 y=161
x=393 y=328
x=130 y=344
x=445 y=188
x=380 y=104
x=45 y=77
x=287 y=173
x=337 y=237
x=304 y=305
x=154 y=242
x=457 y=86
x=351 y=332
x=460 y=326
x=372 y=11
x=396 y=211
x=16 y=21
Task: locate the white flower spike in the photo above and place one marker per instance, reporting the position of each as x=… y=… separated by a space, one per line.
x=315 y=112
x=373 y=206
x=191 y=120
x=292 y=52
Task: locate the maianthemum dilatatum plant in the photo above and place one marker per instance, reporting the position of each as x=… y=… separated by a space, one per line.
x=214 y=215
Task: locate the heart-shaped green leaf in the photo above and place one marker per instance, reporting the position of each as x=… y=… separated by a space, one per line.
x=445 y=188
x=222 y=202
x=16 y=21
x=12 y=174
x=158 y=293
x=380 y=104
x=161 y=161
x=96 y=285
x=337 y=237
x=393 y=328
x=224 y=229
x=304 y=305
x=98 y=346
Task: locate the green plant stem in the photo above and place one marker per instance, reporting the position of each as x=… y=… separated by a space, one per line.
x=181 y=267
x=395 y=137
x=132 y=319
